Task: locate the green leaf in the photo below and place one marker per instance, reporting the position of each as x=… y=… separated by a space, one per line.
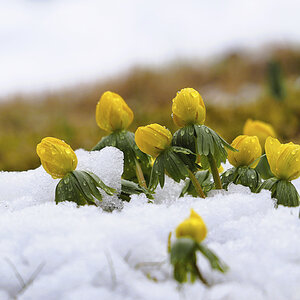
x=131 y=188
x=80 y=187
x=263 y=168
x=209 y=142
x=182 y=150
x=108 y=190
x=158 y=173
x=213 y=259
x=67 y=190
x=175 y=167
x=185 y=137
x=183 y=258
x=83 y=185
x=248 y=177
x=268 y=184
x=286 y=194
x=228 y=177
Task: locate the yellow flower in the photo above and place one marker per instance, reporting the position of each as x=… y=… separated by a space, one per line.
x=113 y=113
x=56 y=157
x=284 y=159
x=261 y=129
x=188 y=108
x=249 y=150
x=153 y=139
x=193 y=227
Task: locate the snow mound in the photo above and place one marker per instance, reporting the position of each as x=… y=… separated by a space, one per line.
x=84 y=253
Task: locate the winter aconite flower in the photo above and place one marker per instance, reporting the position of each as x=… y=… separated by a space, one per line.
x=284 y=159
x=113 y=113
x=188 y=108
x=249 y=150
x=193 y=227
x=153 y=139
x=56 y=156
x=81 y=187
x=261 y=129
x=189 y=113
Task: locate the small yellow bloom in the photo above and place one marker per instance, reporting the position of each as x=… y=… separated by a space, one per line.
x=284 y=159
x=193 y=227
x=249 y=150
x=113 y=113
x=56 y=157
x=261 y=129
x=153 y=139
x=188 y=108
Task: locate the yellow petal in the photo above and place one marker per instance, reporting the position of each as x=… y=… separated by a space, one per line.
x=193 y=227
x=113 y=113
x=284 y=159
x=188 y=108
x=56 y=157
x=249 y=151
x=260 y=129
x=153 y=139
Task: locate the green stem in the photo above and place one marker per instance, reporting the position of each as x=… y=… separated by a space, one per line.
x=200 y=275
x=214 y=171
x=196 y=184
x=140 y=175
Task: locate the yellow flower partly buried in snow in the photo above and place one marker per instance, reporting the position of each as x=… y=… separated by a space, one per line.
x=284 y=159
x=188 y=108
x=56 y=157
x=113 y=113
x=153 y=139
x=193 y=227
x=249 y=150
x=261 y=129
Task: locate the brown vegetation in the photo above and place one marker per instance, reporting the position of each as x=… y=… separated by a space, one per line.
x=70 y=114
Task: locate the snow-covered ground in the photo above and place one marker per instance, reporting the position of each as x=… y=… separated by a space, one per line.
x=47 y=44
x=85 y=253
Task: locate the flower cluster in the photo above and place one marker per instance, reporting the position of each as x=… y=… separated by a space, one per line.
x=194 y=153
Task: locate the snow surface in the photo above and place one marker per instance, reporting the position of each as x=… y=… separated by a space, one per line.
x=85 y=253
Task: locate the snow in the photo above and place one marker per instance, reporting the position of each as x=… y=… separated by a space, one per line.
x=50 y=44
x=85 y=253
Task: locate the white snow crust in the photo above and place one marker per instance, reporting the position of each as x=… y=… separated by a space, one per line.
x=85 y=253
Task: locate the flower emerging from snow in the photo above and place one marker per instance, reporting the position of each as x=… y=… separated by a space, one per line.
x=113 y=113
x=188 y=108
x=193 y=227
x=56 y=157
x=261 y=129
x=284 y=159
x=249 y=151
x=153 y=139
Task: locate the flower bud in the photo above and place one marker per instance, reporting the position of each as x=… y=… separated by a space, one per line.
x=261 y=129
x=249 y=150
x=153 y=139
x=56 y=157
x=113 y=113
x=193 y=227
x=284 y=159
x=188 y=108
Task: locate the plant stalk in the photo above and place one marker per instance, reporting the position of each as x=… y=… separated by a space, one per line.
x=214 y=171
x=196 y=184
x=201 y=276
x=140 y=175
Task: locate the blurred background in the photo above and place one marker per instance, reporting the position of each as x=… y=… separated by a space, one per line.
x=58 y=56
